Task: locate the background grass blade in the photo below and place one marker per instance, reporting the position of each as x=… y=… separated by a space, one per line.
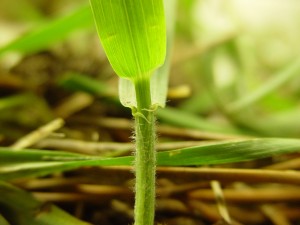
x=268 y=87
x=185 y=119
x=228 y=152
x=31 y=163
x=82 y=82
x=42 y=36
x=23 y=209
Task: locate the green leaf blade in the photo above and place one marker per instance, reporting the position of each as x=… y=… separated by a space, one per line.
x=33 y=163
x=133 y=35
x=228 y=152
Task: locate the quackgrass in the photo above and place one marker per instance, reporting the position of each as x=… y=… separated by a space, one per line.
x=133 y=35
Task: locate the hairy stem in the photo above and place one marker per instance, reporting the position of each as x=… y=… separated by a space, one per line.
x=145 y=156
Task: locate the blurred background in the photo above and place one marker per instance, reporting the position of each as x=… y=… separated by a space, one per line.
x=235 y=64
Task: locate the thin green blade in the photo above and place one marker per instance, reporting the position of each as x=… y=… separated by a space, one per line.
x=279 y=79
x=56 y=30
x=32 y=163
x=229 y=152
x=132 y=33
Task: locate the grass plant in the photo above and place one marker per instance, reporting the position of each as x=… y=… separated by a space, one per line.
x=133 y=35
x=251 y=116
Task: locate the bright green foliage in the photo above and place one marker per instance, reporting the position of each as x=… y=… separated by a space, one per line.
x=133 y=35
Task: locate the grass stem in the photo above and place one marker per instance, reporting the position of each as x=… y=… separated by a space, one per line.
x=145 y=159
